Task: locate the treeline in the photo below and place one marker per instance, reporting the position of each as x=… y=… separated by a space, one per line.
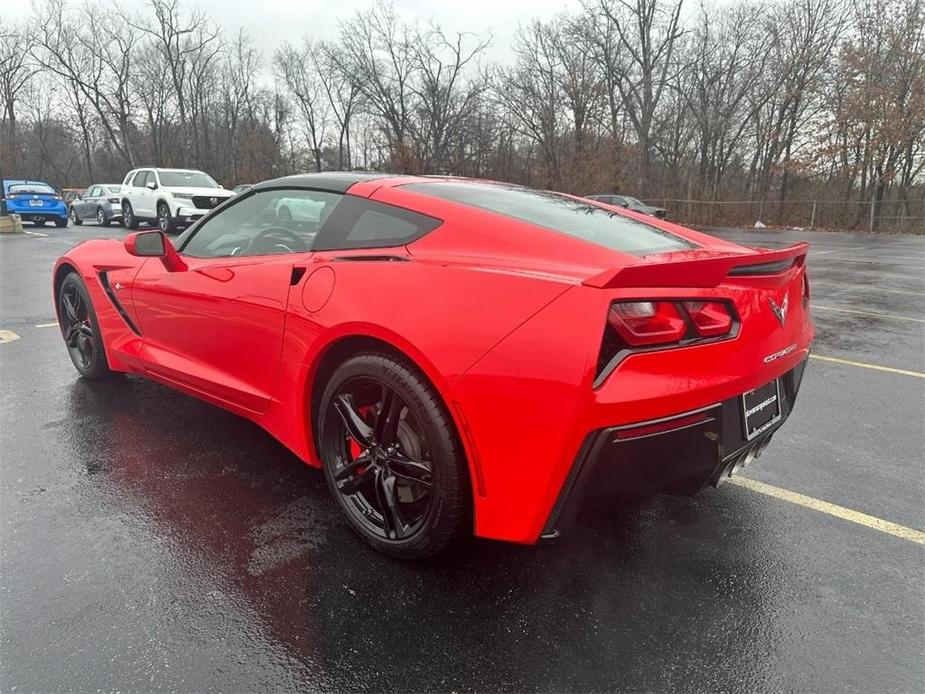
x=768 y=102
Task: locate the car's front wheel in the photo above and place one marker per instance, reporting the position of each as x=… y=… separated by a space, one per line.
x=80 y=329
x=75 y=220
x=165 y=222
x=392 y=458
x=128 y=216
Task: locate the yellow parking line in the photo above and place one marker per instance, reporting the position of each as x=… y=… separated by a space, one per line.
x=47 y=325
x=847 y=514
x=864 y=365
x=8 y=336
x=875 y=314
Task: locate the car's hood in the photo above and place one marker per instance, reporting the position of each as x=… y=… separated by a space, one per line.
x=208 y=192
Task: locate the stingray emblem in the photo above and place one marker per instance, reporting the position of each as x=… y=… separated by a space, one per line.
x=780 y=311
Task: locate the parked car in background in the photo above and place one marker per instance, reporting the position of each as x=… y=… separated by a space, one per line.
x=170 y=198
x=629 y=203
x=35 y=201
x=101 y=202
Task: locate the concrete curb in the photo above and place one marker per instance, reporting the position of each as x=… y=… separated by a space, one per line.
x=11 y=224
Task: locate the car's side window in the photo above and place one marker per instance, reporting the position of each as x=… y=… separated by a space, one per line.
x=265 y=222
x=95 y=192
x=140 y=179
x=361 y=223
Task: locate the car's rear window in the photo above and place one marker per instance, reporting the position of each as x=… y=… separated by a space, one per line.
x=559 y=213
x=37 y=188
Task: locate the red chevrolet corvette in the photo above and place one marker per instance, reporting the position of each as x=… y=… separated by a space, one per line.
x=457 y=355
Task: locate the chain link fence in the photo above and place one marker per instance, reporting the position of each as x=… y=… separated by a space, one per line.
x=890 y=216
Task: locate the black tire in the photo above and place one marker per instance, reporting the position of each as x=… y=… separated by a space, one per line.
x=61 y=223
x=75 y=220
x=101 y=218
x=39 y=223
x=424 y=474
x=128 y=216
x=80 y=329
x=165 y=222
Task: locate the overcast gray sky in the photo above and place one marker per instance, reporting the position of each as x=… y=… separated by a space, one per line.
x=271 y=22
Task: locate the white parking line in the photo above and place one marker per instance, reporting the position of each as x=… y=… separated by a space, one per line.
x=47 y=325
x=34 y=233
x=8 y=336
x=875 y=314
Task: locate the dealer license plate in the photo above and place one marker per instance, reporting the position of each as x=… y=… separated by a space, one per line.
x=35 y=203
x=761 y=409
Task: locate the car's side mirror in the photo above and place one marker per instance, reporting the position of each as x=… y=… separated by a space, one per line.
x=154 y=244
x=151 y=185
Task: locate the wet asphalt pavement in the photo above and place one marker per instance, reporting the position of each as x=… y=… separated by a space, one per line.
x=152 y=542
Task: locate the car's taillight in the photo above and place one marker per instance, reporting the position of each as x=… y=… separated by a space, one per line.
x=11 y=196
x=634 y=326
x=711 y=318
x=57 y=197
x=647 y=322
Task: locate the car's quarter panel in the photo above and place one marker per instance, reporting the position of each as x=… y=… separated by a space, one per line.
x=443 y=318
x=216 y=327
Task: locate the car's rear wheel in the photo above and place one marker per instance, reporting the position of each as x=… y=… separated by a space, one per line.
x=60 y=223
x=165 y=222
x=39 y=222
x=392 y=458
x=101 y=217
x=75 y=220
x=128 y=216
x=80 y=329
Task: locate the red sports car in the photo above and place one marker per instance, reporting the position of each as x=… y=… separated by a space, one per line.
x=457 y=355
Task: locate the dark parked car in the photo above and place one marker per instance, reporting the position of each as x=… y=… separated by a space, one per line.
x=99 y=202
x=630 y=204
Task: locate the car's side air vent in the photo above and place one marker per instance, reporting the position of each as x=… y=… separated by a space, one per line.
x=297 y=274
x=774 y=268
x=104 y=280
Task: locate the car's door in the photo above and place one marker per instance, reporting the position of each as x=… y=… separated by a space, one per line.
x=90 y=202
x=217 y=326
x=140 y=195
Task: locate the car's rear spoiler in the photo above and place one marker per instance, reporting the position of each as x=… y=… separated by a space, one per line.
x=702 y=272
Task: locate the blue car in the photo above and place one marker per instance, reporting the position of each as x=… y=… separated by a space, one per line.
x=36 y=202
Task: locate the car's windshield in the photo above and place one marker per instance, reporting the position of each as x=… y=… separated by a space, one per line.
x=186 y=179
x=39 y=188
x=634 y=201
x=559 y=213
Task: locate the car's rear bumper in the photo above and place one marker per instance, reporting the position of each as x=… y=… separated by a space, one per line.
x=29 y=213
x=680 y=454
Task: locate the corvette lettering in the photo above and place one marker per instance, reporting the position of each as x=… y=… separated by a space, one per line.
x=783 y=353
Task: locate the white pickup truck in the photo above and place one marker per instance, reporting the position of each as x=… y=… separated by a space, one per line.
x=170 y=198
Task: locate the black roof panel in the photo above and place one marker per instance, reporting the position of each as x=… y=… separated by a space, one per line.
x=334 y=181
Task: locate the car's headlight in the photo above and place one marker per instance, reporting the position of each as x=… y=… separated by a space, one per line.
x=183 y=196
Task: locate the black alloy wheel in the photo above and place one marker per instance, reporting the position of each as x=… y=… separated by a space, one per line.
x=391 y=457
x=80 y=328
x=75 y=220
